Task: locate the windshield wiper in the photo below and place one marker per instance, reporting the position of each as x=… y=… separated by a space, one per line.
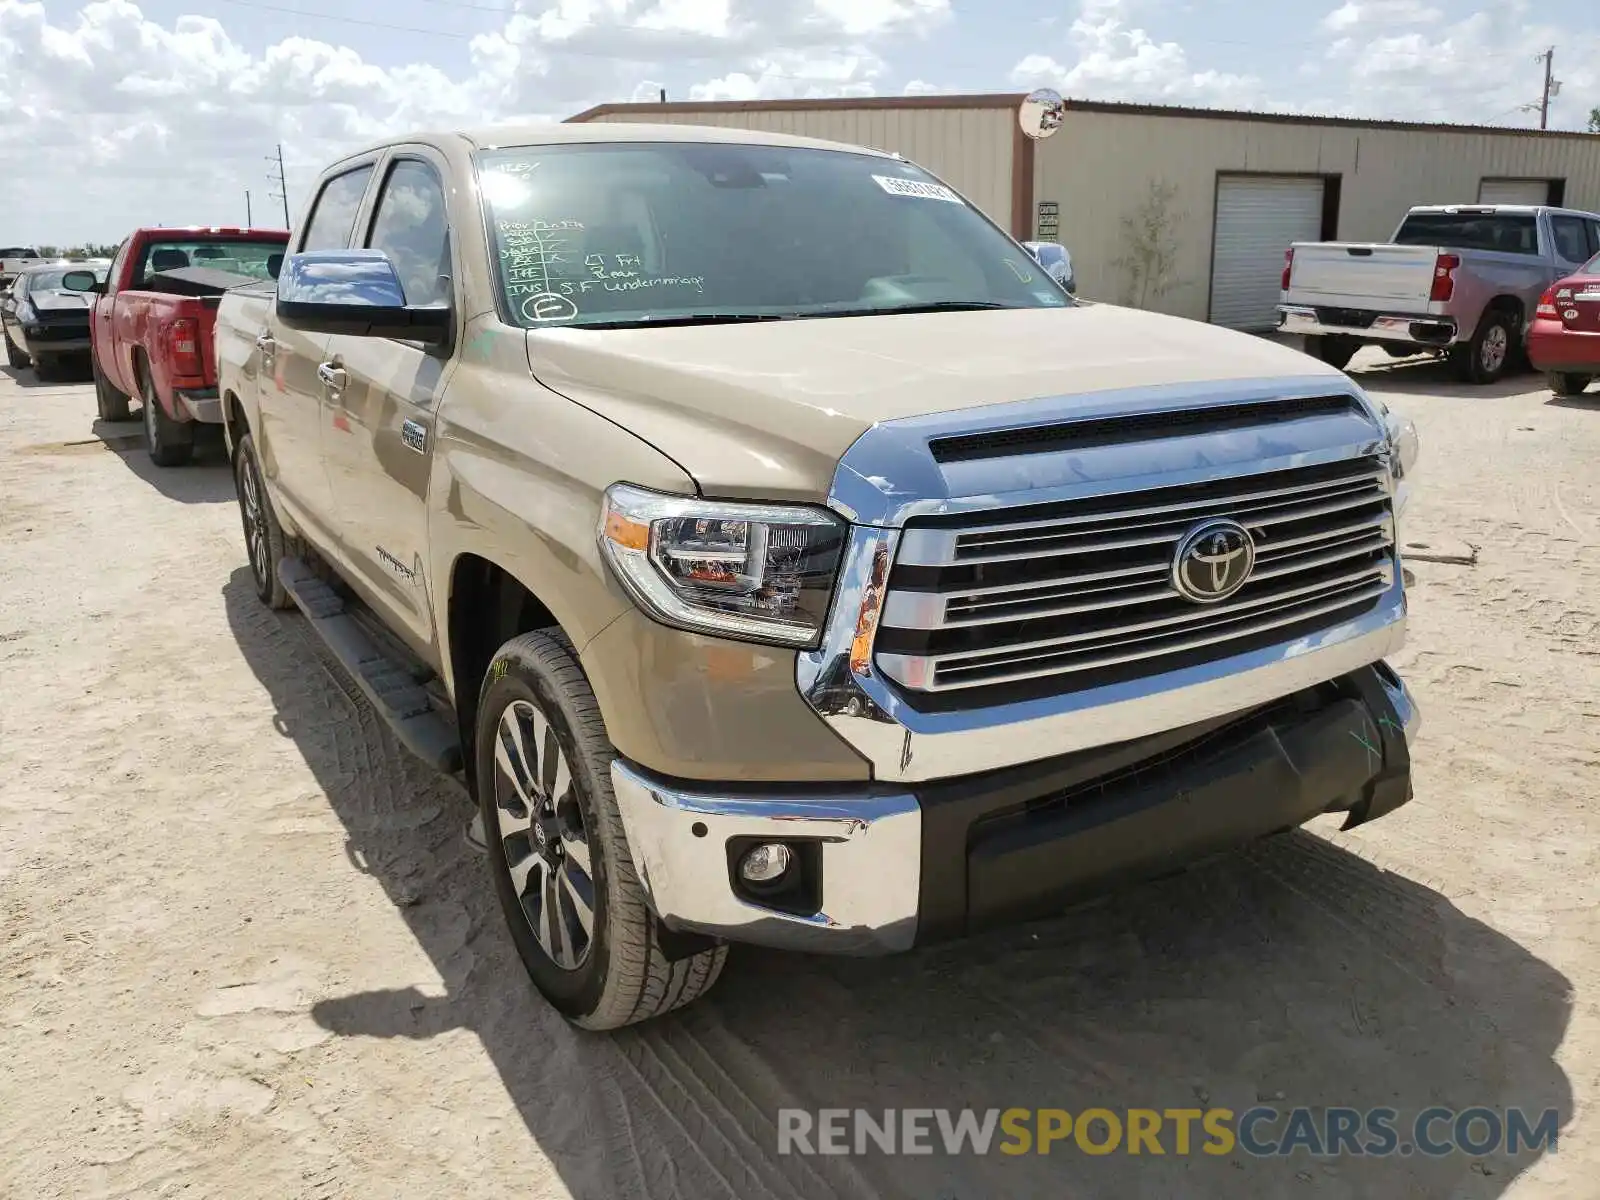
x=928 y=307
x=727 y=318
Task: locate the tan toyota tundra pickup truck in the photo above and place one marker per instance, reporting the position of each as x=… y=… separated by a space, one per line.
x=782 y=556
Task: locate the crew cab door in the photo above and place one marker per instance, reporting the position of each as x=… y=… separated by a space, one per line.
x=102 y=322
x=294 y=396
x=383 y=399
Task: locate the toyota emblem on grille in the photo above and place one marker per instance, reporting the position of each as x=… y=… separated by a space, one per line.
x=1213 y=561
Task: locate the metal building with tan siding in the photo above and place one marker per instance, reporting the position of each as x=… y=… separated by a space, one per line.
x=1183 y=210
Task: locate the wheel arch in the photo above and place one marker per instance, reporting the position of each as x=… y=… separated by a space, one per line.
x=486 y=606
x=1513 y=306
x=235 y=421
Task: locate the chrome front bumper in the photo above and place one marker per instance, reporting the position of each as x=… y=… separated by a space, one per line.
x=1388 y=327
x=873 y=846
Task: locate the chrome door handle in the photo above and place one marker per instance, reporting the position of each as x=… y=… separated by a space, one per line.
x=332 y=376
x=264 y=343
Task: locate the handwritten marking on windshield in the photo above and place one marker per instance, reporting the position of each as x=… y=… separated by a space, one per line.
x=529 y=250
x=542 y=308
x=1022 y=273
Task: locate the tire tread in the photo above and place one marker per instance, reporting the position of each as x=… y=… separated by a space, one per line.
x=641 y=982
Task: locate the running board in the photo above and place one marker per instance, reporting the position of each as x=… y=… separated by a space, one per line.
x=388 y=683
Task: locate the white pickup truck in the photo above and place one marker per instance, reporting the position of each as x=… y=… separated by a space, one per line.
x=1459 y=280
x=16 y=259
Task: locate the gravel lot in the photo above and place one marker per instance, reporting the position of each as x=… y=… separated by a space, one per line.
x=243 y=951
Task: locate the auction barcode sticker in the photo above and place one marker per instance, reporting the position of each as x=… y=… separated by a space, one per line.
x=914 y=187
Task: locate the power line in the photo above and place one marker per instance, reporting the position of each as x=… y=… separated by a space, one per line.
x=1552 y=87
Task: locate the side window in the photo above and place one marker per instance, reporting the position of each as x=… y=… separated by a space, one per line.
x=411 y=227
x=333 y=216
x=1571 y=237
x=1594 y=237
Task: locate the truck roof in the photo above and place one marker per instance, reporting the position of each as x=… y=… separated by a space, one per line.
x=1516 y=209
x=221 y=231
x=552 y=133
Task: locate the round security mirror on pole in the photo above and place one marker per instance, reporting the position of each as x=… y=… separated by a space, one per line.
x=1040 y=114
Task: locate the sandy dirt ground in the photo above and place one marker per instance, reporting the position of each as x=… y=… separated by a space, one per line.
x=244 y=952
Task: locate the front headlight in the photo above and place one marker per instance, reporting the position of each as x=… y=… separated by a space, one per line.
x=756 y=572
x=1404 y=447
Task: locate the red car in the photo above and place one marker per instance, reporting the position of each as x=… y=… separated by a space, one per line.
x=1564 y=340
x=151 y=326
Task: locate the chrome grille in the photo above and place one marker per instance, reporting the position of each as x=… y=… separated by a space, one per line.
x=1077 y=595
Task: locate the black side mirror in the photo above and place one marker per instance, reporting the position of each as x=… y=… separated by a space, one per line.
x=79 y=281
x=356 y=293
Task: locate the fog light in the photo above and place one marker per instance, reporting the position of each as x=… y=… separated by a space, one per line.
x=767 y=863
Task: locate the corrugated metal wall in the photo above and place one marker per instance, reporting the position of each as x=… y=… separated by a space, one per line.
x=1102 y=166
x=970 y=148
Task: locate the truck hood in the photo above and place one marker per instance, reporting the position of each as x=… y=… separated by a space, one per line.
x=767 y=410
x=56 y=300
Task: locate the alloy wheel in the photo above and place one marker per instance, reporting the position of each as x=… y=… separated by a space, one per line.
x=1495 y=347
x=543 y=833
x=255 y=520
x=151 y=432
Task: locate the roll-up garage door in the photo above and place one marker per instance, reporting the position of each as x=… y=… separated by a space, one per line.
x=1514 y=191
x=1258 y=216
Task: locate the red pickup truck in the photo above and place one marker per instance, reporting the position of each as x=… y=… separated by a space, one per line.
x=151 y=326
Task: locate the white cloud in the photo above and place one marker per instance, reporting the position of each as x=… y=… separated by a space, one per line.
x=1353 y=17
x=1460 y=61
x=1478 y=68
x=109 y=120
x=1115 y=61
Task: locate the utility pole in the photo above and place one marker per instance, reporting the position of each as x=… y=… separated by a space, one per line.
x=283 y=186
x=249 y=219
x=1550 y=87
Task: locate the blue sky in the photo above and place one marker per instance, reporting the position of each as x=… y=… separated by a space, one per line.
x=976 y=50
x=113 y=110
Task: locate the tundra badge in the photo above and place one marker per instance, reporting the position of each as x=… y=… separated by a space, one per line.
x=415 y=435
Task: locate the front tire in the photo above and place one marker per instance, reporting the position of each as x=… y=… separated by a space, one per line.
x=263 y=536
x=1488 y=356
x=112 y=404
x=171 y=443
x=1564 y=383
x=557 y=849
x=14 y=355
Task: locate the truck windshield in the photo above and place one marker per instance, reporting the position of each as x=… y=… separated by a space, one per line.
x=238 y=257
x=18 y=252
x=690 y=232
x=1508 y=233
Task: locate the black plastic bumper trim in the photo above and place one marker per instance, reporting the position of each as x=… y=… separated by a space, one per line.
x=1028 y=841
